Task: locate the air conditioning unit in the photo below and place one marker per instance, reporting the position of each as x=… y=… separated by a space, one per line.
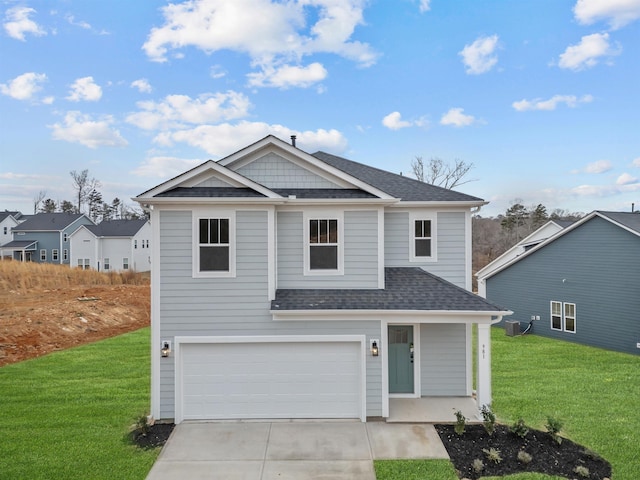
x=512 y=328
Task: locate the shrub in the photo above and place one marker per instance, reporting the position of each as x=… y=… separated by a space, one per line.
x=477 y=465
x=488 y=419
x=461 y=421
x=582 y=471
x=524 y=457
x=554 y=426
x=520 y=428
x=493 y=454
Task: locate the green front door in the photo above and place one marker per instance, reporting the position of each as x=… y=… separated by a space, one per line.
x=400 y=358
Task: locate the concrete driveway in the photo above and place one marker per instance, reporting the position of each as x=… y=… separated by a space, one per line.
x=290 y=450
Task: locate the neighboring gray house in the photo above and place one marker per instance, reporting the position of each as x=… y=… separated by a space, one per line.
x=113 y=245
x=291 y=285
x=8 y=220
x=581 y=284
x=44 y=237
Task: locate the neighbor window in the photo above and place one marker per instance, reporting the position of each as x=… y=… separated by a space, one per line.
x=107 y=265
x=214 y=246
x=43 y=255
x=54 y=254
x=83 y=263
x=422 y=235
x=563 y=316
x=5 y=230
x=65 y=254
x=64 y=237
x=125 y=263
x=135 y=244
x=323 y=244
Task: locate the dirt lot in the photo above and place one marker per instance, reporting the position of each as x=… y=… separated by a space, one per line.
x=44 y=320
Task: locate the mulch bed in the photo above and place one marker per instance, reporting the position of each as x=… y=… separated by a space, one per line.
x=153 y=436
x=548 y=456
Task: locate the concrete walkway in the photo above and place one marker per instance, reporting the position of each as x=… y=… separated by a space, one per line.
x=290 y=450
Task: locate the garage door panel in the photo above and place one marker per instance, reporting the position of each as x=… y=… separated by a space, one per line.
x=271 y=380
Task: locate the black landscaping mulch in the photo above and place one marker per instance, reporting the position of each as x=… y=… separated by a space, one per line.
x=547 y=456
x=152 y=436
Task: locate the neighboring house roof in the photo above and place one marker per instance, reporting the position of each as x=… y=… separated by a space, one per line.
x=47 y=222
x=406 y=288
x=21 y=245
x=7 y=213
x=116 y=228
x=399 y=186
x=629 y=221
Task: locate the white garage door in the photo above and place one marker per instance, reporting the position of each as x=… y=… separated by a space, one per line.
x=270 y=380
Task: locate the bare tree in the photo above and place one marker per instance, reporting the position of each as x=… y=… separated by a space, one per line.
x=37 y=199
x=83 y=185
x=440 y=173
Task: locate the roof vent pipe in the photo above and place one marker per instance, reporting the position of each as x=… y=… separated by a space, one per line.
x=293 y=140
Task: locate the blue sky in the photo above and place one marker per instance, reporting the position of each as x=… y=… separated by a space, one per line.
x=542 y=96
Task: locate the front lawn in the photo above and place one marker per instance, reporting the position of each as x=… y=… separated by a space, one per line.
x=594 y=392
x=66 y=415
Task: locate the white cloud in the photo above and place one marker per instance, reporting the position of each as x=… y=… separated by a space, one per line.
x=217 y=71
x=77 y=23
x=636 y=162
x=273 y=35
x=626 y=179
x=288 y=76
x=164 y=167
x=142 y=84
x=79 y=128
x=425 y=5
x=177 y=111
x=17 y=23
x=225 y=138
x=587 y=53
x=455 y=117
x=550 y=104
x=604 y=190
x=617 y=12
x=600 y=166
x=24 y=86
x=394 y=121
x=85 y=89
x=479 y=57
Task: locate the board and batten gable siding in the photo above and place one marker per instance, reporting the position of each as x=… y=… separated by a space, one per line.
x=273 y=171
x=443 y=359
x=600 y=265
x=360 y=252
x=234 y=306
x=451 y=252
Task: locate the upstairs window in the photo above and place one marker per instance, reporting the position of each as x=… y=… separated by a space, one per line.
x=323 y=244
x=64 y=237
x=422 y=237
x=214 y=246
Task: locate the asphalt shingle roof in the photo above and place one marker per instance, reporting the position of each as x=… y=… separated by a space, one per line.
x=407 y=288
x=323 y=192
x=6 y=213
x=20 y=244
x=117 y=228
x=47 y=222
x=211 y=192
x=405 y=188
x=628 y=219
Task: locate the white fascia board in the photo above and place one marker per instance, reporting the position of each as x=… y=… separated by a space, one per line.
x=80 y=228
x=441 y=204
x=412 y=316
x=307 y=158
x=186 y=201
x=186 y=179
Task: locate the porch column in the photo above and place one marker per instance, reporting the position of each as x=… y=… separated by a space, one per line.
x=484 y=365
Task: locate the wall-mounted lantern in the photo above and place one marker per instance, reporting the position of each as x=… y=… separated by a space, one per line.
x=166 y=348
x=375 y=351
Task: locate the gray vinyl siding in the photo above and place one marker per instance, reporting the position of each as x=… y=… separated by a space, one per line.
x=360 y=253
x=234 y=306
x=451 y=252
x=443 y=360
x=600 y=264
x=273 y=171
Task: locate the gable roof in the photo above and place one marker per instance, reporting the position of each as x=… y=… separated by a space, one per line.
x=6 y=214
x=48 y=222
x=626 y=220
x=116 y=228
x=405 y=188
x=360 y=181
x=406 y=288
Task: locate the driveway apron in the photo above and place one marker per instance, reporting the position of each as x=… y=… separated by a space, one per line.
x=289 y=450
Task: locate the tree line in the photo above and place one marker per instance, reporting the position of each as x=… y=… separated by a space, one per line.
x=88 y=200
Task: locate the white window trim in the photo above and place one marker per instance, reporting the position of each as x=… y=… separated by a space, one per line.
x=323 y=215
x=551 y=315
x=195 y=222
x=432 y=216
x=65 y=254
x=55 y=255
x=563 y=317
x=43 y=255
x=125 y=263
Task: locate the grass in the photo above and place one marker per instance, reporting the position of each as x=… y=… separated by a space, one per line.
x=22 y=277
x=594 y=392
x=66 y=415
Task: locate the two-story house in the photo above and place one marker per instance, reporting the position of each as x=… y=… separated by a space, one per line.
x=44 y=237
x=8 y=220
x=291 y=285
x=113 y=245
